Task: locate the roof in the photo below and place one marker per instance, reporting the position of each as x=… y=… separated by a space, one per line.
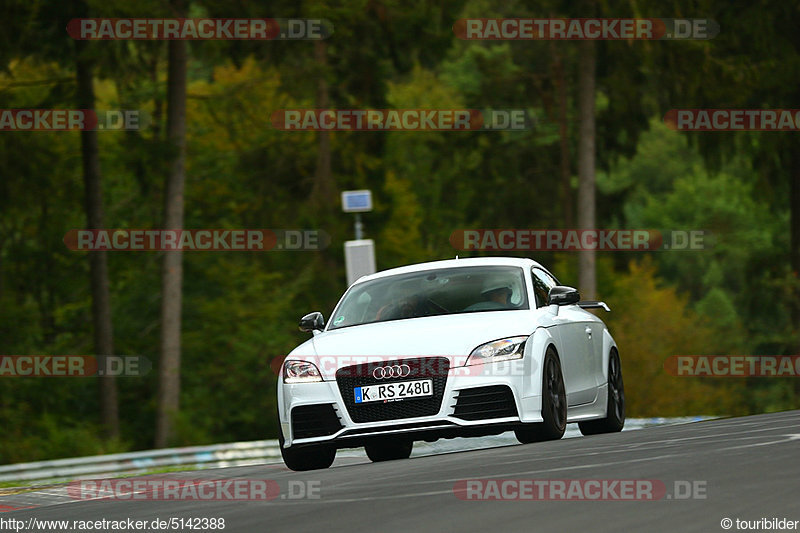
x=453 y=263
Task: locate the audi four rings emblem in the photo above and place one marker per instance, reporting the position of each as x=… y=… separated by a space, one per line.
x=394 y=371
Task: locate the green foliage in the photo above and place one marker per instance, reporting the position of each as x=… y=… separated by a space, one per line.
x=53 y=435
x=666 y=187
x=651 y=323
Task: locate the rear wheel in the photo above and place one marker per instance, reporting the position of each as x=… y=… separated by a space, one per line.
x=615 y=410
x=388 y=449
x=313 y=457
x=554 y=405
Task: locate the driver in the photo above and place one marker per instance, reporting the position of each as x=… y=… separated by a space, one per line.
x=406 y=304
x=498 y=291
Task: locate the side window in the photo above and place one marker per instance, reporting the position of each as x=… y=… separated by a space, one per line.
x=542 y=283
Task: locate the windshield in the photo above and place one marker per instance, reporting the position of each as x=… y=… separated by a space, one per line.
x=444 y=291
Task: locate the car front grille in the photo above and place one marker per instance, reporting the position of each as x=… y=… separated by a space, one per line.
x=350 y=377
x=481 y=403
x=314 y=421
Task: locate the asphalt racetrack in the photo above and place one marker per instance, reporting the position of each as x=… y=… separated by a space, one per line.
x=738 y=468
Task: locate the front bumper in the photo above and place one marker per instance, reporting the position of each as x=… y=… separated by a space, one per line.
x=466 y=405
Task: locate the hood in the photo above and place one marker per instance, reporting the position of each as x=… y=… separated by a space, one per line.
x=448 y=335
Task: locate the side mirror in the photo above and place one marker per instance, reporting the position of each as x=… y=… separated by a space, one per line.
x=562 y=295
x=312 y=321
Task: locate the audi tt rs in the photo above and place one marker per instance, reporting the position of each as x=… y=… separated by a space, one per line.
x=463 y=347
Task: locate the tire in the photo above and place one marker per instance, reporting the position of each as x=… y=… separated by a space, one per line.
x=388 y=449
x=314 y=457
x=615 y=408
x=554 y=404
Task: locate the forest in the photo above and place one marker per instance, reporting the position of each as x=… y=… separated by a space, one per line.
x=601 y=149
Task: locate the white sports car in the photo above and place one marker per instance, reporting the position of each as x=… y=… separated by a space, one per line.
x=464 y=347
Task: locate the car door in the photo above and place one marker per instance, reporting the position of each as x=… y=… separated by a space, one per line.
x=598 y=328
x=580 y=342
x=577 y=342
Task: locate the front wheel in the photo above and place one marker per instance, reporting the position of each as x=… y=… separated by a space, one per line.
x=554 y=405
x=307 y=457
x=615 y=409
x=388 y=449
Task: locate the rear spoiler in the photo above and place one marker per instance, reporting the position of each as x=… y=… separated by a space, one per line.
x=592 y=304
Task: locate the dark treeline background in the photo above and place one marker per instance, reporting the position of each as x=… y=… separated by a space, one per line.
x=240 y=309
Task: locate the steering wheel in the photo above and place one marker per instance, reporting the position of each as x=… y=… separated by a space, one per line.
x=437 y=306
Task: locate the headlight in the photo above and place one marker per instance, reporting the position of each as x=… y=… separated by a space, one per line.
x=300 y=372
x=501 y=350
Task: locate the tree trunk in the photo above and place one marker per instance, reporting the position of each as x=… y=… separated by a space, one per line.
x=586 y=164
x=794 y=254
x=794 y=217
x=563 y=132
x=98 y=261
x=322 y=192
x=172 y=269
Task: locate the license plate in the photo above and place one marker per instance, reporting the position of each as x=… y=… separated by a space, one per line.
x=394 y=391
